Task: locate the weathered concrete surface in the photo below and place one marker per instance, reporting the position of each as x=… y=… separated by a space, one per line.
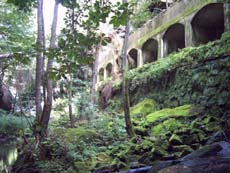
x=177 y=13
x=185 y=23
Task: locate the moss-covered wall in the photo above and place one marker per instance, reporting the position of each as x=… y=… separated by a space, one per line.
x=195 y=75
x=159 y=24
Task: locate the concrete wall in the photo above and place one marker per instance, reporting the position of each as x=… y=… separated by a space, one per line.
x=185 y=23
x=182 y=12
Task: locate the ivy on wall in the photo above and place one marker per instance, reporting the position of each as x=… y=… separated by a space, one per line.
x=195 y=75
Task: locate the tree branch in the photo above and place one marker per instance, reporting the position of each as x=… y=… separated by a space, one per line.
x=9 y=55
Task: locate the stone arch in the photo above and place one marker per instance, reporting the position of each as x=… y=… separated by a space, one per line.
x=101 y=74
x=208 y=23
x=132 y=58
x=174 y=38
x=150 y=50
x=109 y=68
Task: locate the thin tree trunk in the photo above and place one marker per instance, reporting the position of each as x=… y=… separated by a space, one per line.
x=129 y=126
x=95 y=74
x=70 y=85
x=49 y=85
x=39 y=59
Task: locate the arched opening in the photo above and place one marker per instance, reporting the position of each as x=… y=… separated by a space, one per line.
x=208 y=23
x=101 y=74
x=132 y=58
x=174 y=38
x=150 y=51
x=119 y=65
x=109 y=70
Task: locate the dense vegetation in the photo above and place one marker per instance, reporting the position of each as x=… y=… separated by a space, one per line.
x=180 y=103
x=161 y=132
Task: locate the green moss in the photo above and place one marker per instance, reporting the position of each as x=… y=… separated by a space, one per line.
x=153 y=74
x=163 y=27
x=82 y=167
x=144 y=107
x=168 y=125
x=166 y=113
x=73 y=135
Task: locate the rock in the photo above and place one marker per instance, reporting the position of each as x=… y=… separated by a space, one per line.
x=219 y=136
x=144 y=107
x=213 y=158
x=146 y=158
x=6 y=98
x=158 y=165
x=206 y=151
x=190 y=139
x=175 y=140
x=184 y=149
x=138 y=170
x=158 y=152
x=181 y=111
x=200 y=166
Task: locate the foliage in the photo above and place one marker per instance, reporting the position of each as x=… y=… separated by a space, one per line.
x=103 y=144
x=141 y=14
x=88 y=144
x=12 y=124
x=15 y=35
x=26 y=5
x=16 y=38
x=50 y=156
x=178 y=79
x=82 y=108
x=144 y=11
x=81 y=34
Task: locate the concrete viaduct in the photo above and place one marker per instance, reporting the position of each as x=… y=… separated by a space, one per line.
x=185 y=23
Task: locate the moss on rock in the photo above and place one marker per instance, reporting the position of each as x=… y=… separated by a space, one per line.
x=144 y=107
x=180 y=111
x=73 y=135
x=167 y=126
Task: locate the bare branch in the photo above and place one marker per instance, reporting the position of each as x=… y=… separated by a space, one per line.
x=7 y=55
x=10 y=55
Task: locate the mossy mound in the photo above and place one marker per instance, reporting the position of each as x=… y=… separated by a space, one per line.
x=74 y=135
x=144 y=107
x=169 y=113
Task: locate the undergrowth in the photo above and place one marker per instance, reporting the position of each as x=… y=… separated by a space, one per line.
x=13 y=124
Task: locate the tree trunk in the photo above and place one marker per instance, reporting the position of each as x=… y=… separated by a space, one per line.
x=95 y=74
x=49 y=85
x=39 y=59
x=129 y=126
x=70 y=85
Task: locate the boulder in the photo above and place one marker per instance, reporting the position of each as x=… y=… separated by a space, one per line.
x=5 y=98
x=208 y=159
x=219 y=136
x=183 y=149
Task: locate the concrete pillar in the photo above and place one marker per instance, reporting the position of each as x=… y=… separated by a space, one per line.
x=188 y=32
x=227 y=16
x=105 y=74
x=163 y=48
x=158 y=38
x=98 y=77
x=139 y=58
